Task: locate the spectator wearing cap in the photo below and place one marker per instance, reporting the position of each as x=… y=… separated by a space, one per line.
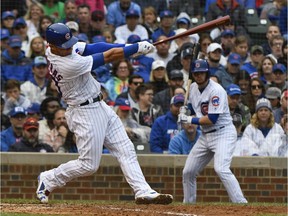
x=183 y=21
x=116 y=12
x=4 y=39
x=186 y=57
x=74 y=27
x=165 y=26
x=13 y=97
x=30 y=141
x=98 y=23
x=158 y=76
x=82 y=37
x=132 y=27
x=34 y=111
x=273 y=94
x=163 y=97
x=215 y=59
x=162 y=51
x=280 y=76
x=227 y=41
x=192 y=8
x=7 y=20
x=236 y=106
x=35 y=88
x=20 y=28
x=13 y=134
x=256 y=56
x=263 y=130
x=98 y=39
x=283 y=109
x=136 y=132
x=228 y=76
x=165 y=127
x=54 y=9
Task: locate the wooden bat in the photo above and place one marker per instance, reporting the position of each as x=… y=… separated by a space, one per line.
x=200 y=28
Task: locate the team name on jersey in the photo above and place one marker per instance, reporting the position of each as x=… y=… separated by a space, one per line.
x=54 y=73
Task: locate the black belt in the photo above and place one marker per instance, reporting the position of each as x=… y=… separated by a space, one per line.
x=214 y=130
x=98 y=98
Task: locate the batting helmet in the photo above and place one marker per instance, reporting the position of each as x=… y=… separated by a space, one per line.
x=60 y=35
x=199 y=65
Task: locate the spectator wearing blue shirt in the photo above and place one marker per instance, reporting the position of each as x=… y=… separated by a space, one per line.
x=13 y=134
x=165 y=127
x=184 y=141
x=116 y=12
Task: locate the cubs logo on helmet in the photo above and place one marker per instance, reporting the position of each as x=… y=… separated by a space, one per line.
x=200 y=65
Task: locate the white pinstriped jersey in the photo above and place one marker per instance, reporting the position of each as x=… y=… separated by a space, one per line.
x=72 y=75
x=213 y=100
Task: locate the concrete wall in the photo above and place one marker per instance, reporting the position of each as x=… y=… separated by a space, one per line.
x=262 y=179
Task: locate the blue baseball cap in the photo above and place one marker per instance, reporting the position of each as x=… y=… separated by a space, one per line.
x=19 y=21
x=39 y=60
x=33 y=108
x=233 y=89
x=133 y=39
x=123 y=103
x=15 y=41
x=82 y=37
x=228 y=32
x=183 y=20
x=279 y=67
x=98 y=38
x=132 y=13
x=17 y=110
x=234 y=58
x=4 y=34
x=6 y=14
x=166 y=13
x=179 y=98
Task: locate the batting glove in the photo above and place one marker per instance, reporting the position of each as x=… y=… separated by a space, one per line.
x=144 y=47
x=184 y=118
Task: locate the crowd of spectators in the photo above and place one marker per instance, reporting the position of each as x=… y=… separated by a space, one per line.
x=147 y=91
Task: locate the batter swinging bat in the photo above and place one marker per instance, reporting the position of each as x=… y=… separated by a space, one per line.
x=200 y=28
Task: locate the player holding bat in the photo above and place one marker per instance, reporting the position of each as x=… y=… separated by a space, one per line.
x=92 y=121
x=209 y=107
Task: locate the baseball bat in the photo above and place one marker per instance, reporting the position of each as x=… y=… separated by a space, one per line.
x=200 y=28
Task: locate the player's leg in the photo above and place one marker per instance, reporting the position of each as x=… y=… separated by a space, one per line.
x=197 y=159
x=89 y=124
x=121 y=147
x=224 y=149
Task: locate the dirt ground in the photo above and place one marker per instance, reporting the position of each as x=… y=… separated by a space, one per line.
x=128 y=209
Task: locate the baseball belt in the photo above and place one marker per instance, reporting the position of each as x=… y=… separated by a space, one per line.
x=214 y=130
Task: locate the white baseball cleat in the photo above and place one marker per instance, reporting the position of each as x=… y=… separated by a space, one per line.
x=154 y=198
x=42 y=193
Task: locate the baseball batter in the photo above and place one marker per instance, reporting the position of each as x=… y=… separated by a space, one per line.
x=208 y=101
x=91 y=119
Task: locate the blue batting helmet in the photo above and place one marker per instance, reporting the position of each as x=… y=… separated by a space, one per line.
x=199 y=65
x=60 y=35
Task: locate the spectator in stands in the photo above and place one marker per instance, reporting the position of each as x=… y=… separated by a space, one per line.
x=37 y=47
x=144 y=111
x=166 y=25
x=263 y=130
x=108 y=34
x=192 y=8
x=272 y=30
x=35 y=88
x=30 y=141
x=158 y=5
x=14 y=64
x=7 y=20
x=4 y=39
x=175 y=44
x=283 y=109
x=84 y=18
x=276 y=44
x=47 y=108
x=227 y=41
x=158 y=76
x=33 y=111
x=241 y=47
x=133 y=82
x=183 y=21
x=162 y=51
x=44 y=22
x=265 y=70
x=149 y=20
x=92 y=4
x=5 y=121
x=256 y=91
x=163 y=97
x=243 y=80
x=273 y=94
x=34 y=13
x=13 y=133
x=280 y=76
x=179 y=90
x=117 y=10
x=70 y=10
x=205 y=40
x=283 y=20
x=13 y=98
x=228 y=76
x=215 y=59
x=236 y=106
x=74 y=27
x=256 y=56
x=132 y=27
x=284 y=59
x=118 y=82
x=186 y=57
x=183 y=142
x=54 y=9
x=271 y=10
x=165 y=126
x=98 y=22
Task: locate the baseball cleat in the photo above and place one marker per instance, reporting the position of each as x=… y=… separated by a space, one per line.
x=154 y=198
x=41 y=192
